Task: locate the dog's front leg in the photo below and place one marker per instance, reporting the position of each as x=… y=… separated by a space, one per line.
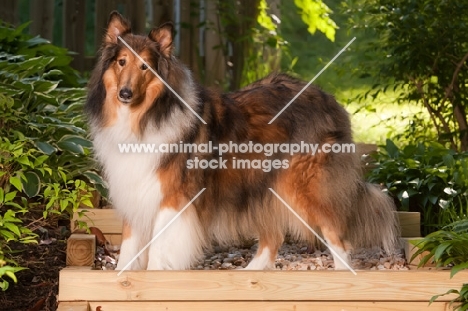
x=131 y=244
x=178 y=245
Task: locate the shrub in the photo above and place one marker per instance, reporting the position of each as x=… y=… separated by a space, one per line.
x=448 y=247
x=44 y=150
x=427 y=178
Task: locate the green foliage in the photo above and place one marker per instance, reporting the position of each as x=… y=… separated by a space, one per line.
x=427 y=178
x=44 y=151
x=316 y=15
x=268 y=46
x=421 y=52
x=448 y=247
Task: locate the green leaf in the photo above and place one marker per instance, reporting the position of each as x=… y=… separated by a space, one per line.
x=458 y=268
x=79 y=140
x=32 y=184
x=23 y=160
x=391 y=148
x=13 y=228
x=10 y=196
x=70 y=146
x=45 y=147
x=2 y=195
x=16 y=182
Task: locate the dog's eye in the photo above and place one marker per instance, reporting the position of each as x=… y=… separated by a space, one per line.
x=122 y=62
x=144 y=67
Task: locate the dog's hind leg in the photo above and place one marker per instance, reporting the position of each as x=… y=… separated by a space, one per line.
x=339 y=246
x=180 y=244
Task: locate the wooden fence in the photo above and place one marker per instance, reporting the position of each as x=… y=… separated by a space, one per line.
x=202 y=41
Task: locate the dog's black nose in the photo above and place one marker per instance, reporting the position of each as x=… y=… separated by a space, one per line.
x=125 y=94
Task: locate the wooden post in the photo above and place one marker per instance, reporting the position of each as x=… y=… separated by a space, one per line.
x=81 y=249
x=74 y=28
x=189 y=35
x=215 y=60
x=9 y=12
x=163 y=11
x=42 y=16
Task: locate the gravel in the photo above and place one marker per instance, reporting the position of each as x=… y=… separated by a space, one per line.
x=291 y=256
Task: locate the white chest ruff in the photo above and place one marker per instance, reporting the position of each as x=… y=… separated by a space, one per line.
x=134 y=188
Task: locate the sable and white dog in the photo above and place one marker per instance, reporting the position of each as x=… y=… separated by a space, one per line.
x=127 y=103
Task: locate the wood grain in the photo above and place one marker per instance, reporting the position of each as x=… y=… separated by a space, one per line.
x=107 y=220
x=270 y=306
x=257 y=285
x=410 y=224
x=73 y=306
x=81 y=249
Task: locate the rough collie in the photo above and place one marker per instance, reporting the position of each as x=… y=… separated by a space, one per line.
x=128 y=103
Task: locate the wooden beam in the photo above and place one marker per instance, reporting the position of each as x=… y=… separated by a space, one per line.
x=81 y=249
x=410 y=224
x=107 y=220
x=73 y=306
x=270 y=306
x=245 y=285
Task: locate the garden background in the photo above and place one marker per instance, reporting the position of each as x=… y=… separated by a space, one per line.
x=403 y=80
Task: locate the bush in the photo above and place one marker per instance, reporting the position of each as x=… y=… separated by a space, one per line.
x=427 y=178
x=448 y=247
x=421 y=51
x=45 y=162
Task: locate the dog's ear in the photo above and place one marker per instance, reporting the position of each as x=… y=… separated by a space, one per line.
x=116 y=27
x=163 y=36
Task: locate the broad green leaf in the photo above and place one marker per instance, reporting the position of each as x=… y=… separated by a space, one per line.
x=79 y=140
x=45 y=147
x=32 y=184
x=391 y=149
x=71 y=146
x=13 y=228
x=457 y=268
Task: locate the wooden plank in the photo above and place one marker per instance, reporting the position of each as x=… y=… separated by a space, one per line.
x=9 y=12
x=270 y=306
x=42 y=18
x=410 y=224
x=257 y=285
x=81 y=249
x=107 y=220
x=73 y=306
x=74 y=30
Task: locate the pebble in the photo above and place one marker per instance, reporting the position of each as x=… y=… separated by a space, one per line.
x=292 y=256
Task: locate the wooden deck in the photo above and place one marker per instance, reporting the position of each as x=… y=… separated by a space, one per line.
x=83 y=289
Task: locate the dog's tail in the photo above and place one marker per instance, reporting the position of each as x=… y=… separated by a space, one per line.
x=374 y=223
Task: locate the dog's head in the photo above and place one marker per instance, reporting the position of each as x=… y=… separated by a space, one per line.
x=132 y=60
